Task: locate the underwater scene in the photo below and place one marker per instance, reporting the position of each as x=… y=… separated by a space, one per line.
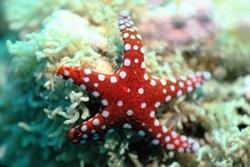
x=124 y=83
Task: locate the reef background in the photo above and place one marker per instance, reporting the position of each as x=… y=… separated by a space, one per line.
x=37 y=109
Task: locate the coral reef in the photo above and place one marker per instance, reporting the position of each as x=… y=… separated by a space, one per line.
x=180 y=29
x=37 y=109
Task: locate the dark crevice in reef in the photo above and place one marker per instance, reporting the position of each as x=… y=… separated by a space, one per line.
x=146 y=151
x=242 y=126
x=194 y=130
x=94 y=105
x=241 y=111
x=178 y=23
x=141 y=147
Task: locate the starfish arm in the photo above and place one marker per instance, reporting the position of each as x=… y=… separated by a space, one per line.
x=160 y=134
x=133 y=49
x=170 y=88
x=93 y=128
x=96 y=83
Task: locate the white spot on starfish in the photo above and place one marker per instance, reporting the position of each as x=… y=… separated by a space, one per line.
x=141 y=133
x=113 y=79
x=139 y=36
x=155 y=141
x=87 y=71
x=132 y=37
x=127 y=47
x=143 y=105
x=152 y=114
x=124 y=13
x=95 y=94
x=177 y=142
x=168 y=98
x=181 y=84
x=167 y=139
x=163 y=82
x=96 y=85
x=84 y=136
x=66 y=73
x=122 y=27
x=104 y=102
x=101 y=77
x=84 y=128
x=140 y=90
x=105 y=114
x=183 y=138
x=143 y=65
x=195 y=147
x=119 y=103
x=158 y=135
x=207 y=75
x=142 y=50
x=190 y=88
x=170 y=146
x=172 y=87
x=152 y=82
x=122 y=74
x=164 y=91
x=121 y=21
x=130 y=112
x=125 y=35
x=86 y=79
x=174 y=134
x=172 y=79
x=145 y=76
x=157 y=123
x=164 y=129
x=179 y=93
x=180 y=150
x=127 y=62
x=135 y=47
x=127 y=126
x=83 y=87
x=96 y=122
x=157 y=104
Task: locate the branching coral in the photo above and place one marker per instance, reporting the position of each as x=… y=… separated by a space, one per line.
x=96 y=11
x=230 y=148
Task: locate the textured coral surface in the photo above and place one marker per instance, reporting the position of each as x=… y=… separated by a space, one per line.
x=38 y=109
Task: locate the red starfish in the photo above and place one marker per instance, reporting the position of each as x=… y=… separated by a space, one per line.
x=130 y=97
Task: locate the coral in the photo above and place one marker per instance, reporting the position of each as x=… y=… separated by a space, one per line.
x=34 y=58
x=230 y=148
x=191 y=24
x=96 y=11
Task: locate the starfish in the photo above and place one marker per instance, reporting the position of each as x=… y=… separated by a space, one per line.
x=130 y=96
